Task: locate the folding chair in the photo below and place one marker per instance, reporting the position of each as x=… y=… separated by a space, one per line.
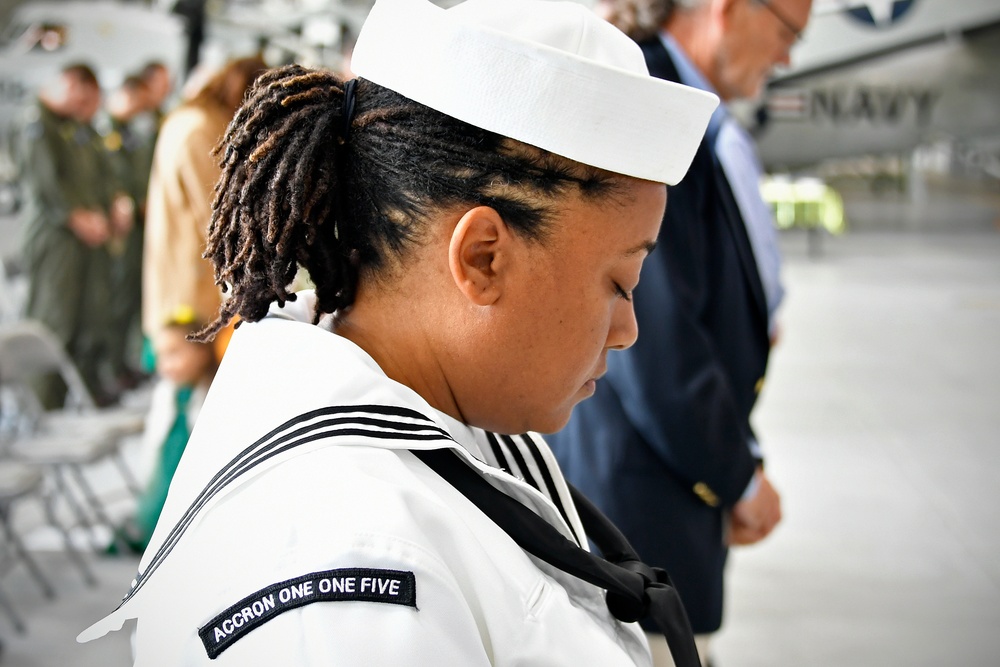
x=68 y=439
x=19 y=482
x=13 y=292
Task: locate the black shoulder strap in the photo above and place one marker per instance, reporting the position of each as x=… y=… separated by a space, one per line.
x=633 y=588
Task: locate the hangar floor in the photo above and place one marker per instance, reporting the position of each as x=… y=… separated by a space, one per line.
x=882 y=429
x=881 y=424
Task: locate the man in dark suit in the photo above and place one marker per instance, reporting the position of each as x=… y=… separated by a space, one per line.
x=665 y=446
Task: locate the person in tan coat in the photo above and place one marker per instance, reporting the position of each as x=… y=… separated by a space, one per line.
x=179 y=202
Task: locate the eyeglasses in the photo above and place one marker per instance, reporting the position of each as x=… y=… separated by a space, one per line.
x=783 y=18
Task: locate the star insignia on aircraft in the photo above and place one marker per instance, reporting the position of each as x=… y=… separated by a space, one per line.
x=878 y=13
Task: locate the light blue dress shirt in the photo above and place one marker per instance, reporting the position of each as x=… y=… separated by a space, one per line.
x=741 y=164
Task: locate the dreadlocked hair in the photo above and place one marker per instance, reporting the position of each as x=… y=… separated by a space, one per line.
x=294 y=191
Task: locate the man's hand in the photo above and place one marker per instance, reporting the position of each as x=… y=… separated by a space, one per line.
x=122 y=215
x=754 y=518
x=91 y=227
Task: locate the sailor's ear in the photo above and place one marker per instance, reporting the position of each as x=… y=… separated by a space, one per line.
x=479 y=254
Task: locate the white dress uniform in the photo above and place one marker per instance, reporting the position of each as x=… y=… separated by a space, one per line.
x=300 y=529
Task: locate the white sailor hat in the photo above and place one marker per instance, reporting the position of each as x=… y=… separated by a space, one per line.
x=549 y=73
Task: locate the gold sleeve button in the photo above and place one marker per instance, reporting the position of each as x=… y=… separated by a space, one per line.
x=706 y=494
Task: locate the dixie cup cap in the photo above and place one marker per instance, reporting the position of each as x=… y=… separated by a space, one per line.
x=549 y=73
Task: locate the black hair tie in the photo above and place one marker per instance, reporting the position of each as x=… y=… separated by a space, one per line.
x=347 y=112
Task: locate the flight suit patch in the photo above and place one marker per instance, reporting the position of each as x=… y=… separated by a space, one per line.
x=343 y=585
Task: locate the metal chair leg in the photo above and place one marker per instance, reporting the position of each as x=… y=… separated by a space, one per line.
x=71 y=550
x=15 y=619
x=130 y=481
x=97 y=507
x=62 y=488
x=22 y=552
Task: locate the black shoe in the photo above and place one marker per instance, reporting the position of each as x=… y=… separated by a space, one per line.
x=126 y=538
x=130 y=379
x=105 y=399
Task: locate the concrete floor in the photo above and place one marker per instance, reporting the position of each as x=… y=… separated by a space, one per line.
x=881 y=424
x=52 y=625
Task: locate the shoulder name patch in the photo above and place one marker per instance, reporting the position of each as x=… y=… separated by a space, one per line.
x=343 y=585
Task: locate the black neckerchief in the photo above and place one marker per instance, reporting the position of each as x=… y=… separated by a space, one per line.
x=634 y=588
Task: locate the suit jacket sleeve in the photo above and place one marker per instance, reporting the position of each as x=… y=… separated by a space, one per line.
x=672 y=385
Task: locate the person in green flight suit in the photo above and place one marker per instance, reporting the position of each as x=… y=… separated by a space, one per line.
x=129 y=133
x=66 y=222
x=158 y=81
